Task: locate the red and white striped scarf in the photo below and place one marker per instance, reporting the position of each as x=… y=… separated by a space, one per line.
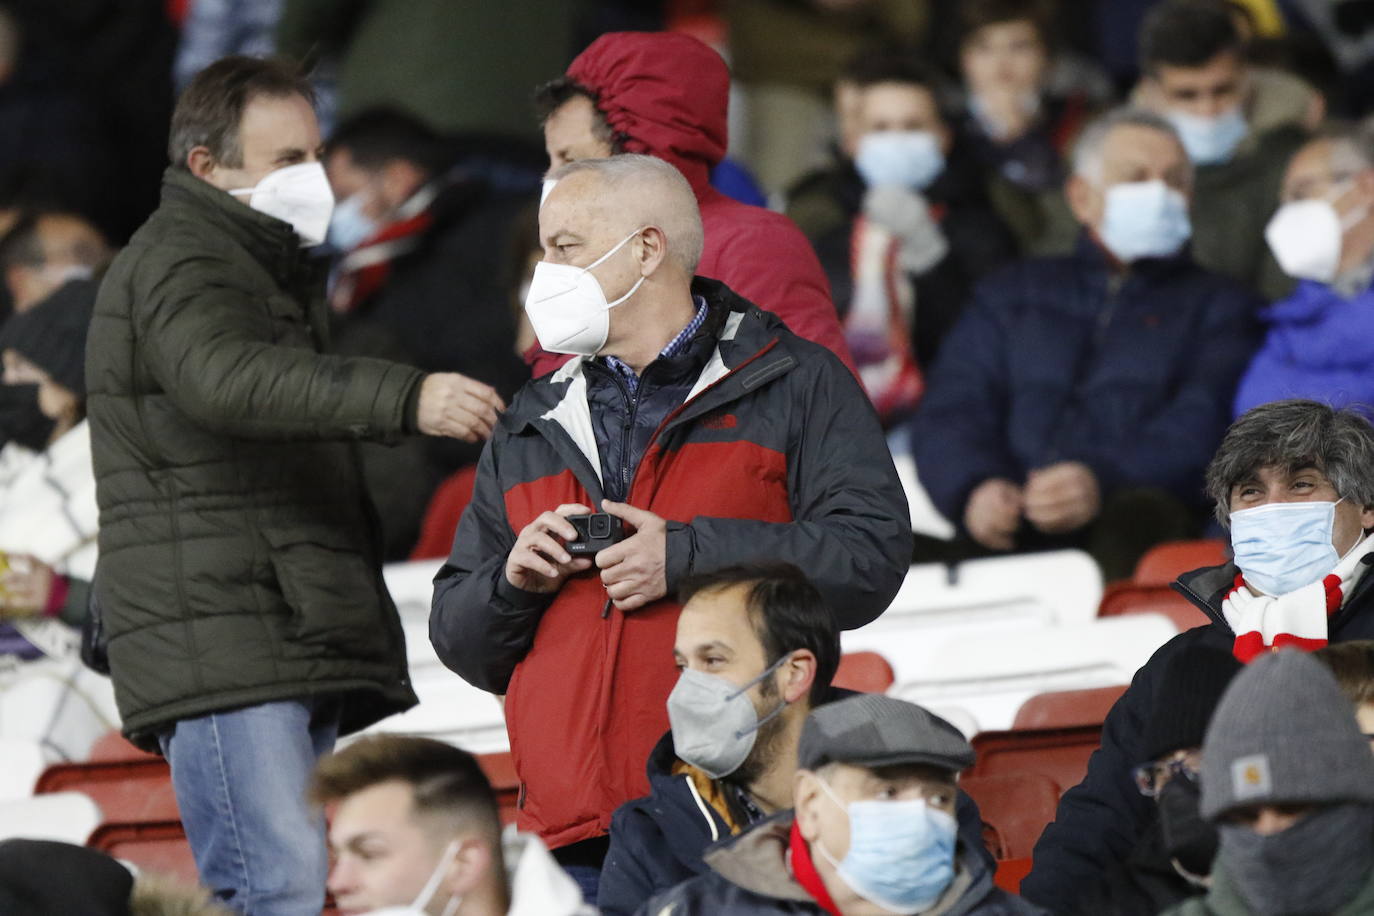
x=1264 y=623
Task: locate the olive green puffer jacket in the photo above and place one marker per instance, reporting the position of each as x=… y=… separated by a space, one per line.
x=239 y=561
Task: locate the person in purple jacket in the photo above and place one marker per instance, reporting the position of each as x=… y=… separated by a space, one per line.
x=1319 y=341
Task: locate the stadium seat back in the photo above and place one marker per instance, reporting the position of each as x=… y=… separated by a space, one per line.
x=1164 y=563
x=865 y=672
x=1067 y=708
x=1015 y=809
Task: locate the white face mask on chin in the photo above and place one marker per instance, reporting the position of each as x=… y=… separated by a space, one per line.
x=297 y=194
x=422 y=900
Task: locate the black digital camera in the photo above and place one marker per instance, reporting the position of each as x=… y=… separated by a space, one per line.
x=594 y=533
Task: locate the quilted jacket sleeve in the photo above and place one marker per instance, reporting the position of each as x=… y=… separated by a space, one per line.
x=208 y=345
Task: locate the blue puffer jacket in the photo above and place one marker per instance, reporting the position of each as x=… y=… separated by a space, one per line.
x=1318 y=346
x=1060 y=359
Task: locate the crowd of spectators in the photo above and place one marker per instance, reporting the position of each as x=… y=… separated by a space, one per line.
x=664 y=291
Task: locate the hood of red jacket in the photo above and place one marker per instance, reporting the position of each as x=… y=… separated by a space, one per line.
x=667 y=93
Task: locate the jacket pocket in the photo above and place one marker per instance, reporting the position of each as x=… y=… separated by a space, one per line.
x=334 y=596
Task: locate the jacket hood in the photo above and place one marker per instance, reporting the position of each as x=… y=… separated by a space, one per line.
x=665 y=93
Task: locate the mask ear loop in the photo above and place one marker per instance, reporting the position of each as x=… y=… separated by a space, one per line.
x=769 y=670
x=427 y=892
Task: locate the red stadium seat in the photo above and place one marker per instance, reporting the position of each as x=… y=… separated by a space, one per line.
x=441 y=518
x=865 y=672
x=1061 y=754
x=1066 y=708
x=1163 y=564
x=114 y=746
x=500 y=771
x=1150 y=599
x=1015 y=809
x=158 y=846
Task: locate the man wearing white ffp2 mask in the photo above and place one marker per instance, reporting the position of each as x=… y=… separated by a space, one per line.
x=416 y=832
x=1319 y=340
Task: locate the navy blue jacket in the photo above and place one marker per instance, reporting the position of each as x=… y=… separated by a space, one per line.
x=657 y=841
x=1101 y=819
x=1060 y=359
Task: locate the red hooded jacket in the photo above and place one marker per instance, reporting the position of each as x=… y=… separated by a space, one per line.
x=666 y=95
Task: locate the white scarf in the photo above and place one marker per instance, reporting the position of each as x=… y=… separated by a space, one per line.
x=1299 y=619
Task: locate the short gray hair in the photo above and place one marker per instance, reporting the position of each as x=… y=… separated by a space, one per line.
x=680 y=222
x=1087 y=151
x=1294 y=434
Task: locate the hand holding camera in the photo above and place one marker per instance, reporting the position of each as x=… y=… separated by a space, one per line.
x=539 y=561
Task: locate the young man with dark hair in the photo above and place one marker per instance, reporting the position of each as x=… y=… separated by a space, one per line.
x=239 y=575
x=415 y=825
x=903 y=228
x=1294 y=483
x=1192 y=55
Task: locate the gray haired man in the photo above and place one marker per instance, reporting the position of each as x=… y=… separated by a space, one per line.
x=1294 y=483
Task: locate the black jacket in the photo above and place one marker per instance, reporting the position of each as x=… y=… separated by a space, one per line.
x=747 y=875
x=1145 y=884
x=1101 y=820
x=657 y=841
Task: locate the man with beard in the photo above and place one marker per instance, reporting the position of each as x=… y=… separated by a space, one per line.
x=1289 y=781
x=757 y=647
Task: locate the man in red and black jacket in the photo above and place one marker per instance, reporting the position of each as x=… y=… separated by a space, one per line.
x=716 y=435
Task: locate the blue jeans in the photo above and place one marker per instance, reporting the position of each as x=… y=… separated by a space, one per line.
x=240 y=779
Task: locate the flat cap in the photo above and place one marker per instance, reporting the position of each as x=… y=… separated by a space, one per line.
x=872 y=730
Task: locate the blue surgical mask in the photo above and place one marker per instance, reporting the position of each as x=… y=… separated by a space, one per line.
x=904 y=158
x=1210 y=140
x=1144 y=219
x=901 y=853
x=348 y=226
x=1283 y=546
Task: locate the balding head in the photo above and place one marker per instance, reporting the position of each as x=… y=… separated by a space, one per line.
x=635 y=192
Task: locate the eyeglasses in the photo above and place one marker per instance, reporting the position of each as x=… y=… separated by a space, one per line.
x=1150 y=777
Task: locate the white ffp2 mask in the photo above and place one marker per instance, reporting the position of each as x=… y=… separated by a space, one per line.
x=297 y=194
x=1306 y=237
x=567 y=307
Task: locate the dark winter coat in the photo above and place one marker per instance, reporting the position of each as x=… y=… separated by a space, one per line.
x=749 y=876
x=1100 y=820
x=777 y=456
x=1057 y=359
x=239 y=561
x=1145 y=884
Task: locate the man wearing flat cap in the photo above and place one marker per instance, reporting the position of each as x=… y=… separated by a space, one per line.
x=872 y=833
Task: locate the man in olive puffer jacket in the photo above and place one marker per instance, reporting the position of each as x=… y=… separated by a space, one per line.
x=239 y=580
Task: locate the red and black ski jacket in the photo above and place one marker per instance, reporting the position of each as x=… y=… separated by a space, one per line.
x=776 y=454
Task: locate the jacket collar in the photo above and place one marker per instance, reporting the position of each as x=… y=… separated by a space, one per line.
x=1206 y=587
x=1092 y=256
x=268 y=240
x=756 y=861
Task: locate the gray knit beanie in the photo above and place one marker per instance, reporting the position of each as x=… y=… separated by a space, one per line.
x=1284 y=734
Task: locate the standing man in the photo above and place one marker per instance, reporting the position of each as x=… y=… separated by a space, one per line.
x=699 y=422
x=240 y=580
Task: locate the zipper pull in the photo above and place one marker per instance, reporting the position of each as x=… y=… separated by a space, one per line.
x=606 y=611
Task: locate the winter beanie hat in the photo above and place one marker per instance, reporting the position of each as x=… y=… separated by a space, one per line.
x=1192 y=686
x=52 y=334
x=1284 y=734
